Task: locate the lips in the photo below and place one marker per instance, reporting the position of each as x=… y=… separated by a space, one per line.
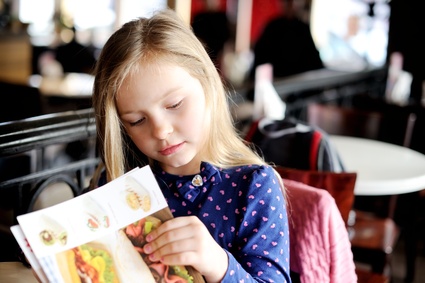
x=171 y=149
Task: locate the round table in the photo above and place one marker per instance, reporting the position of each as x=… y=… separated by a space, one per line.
x=382 y=168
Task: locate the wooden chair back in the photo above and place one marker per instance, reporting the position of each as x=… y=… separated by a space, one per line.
x=339 y=185
x=337 y=120
x=392 y=124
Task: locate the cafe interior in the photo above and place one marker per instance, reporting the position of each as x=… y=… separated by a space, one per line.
x=365 y=98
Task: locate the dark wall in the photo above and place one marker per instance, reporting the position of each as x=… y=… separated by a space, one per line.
x=406 y=35
x=19 y=102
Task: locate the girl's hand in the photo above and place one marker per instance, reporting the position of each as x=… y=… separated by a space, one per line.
x=186 y=241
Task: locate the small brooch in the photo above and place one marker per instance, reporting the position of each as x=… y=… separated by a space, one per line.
x=197 y=181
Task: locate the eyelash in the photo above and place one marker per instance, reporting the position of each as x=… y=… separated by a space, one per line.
x=132 y=124
x=174 y=106
x=177 y=105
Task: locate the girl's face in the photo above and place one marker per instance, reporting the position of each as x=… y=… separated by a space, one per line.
x=163 y=110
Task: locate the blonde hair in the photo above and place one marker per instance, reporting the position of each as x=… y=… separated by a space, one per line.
x=164 y=38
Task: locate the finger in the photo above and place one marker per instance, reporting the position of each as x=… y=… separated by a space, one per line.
x=185 y=258
x=169 y=225
x=176 y=250
x=169 y=237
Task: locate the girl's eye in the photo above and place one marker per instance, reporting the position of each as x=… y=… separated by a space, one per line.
x=177 y=105
x=137 y=122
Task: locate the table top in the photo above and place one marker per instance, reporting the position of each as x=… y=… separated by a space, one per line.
x=16 y=272
x=71 y=85
x=382 y=168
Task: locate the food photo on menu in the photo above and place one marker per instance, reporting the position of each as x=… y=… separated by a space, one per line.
x=98 y=236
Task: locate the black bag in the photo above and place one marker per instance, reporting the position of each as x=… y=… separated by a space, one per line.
x=294 y=144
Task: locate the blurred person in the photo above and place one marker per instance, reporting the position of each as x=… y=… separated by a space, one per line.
x=286 y=42
x=75 y=57
x=212 y=28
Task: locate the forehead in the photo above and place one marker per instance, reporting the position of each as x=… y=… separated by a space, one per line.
x=153 y=81
x=143 y=73
x=154 y=64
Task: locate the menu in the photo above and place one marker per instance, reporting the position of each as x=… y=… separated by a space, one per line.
x=99 y=236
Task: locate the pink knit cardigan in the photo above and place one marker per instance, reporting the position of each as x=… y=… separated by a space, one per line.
x=320 y=249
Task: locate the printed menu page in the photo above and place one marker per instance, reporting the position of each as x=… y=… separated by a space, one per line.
x=99 y=236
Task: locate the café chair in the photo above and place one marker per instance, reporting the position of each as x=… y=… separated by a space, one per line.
x=37 y=170
x=373 y=240
x=374 y=231
x=341 y=187
x=307 y=150
x=320 y=246
x=10 y=167
x=273 y=145
x=410 y=135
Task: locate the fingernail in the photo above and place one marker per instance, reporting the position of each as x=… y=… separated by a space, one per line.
x=149 y=238
x=152 y=257
x=147 y=248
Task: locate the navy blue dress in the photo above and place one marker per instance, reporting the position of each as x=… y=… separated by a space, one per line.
x=244 y=210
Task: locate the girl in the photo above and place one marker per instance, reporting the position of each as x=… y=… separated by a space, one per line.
x=159 y=100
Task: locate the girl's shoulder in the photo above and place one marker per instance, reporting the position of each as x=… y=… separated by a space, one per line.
x=253 y=169
x=253 y=179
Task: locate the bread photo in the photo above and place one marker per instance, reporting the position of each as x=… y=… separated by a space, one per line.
x=136 y=196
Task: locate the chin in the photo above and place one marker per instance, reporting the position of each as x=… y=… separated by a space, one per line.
x=181 y=167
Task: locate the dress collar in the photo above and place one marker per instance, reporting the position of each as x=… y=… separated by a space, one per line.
x=189 y=186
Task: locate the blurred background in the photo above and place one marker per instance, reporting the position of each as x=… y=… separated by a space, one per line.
x=347 y=52
x=348 y=34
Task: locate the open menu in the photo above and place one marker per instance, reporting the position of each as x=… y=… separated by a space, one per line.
x=99 y=236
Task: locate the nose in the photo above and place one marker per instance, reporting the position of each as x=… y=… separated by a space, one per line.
x=161 y=129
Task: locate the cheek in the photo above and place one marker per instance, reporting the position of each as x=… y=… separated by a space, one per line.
x=197 y=117
x=139 y=139
x=196 y=125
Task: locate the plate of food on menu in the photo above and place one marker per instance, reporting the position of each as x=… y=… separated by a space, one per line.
x=51 y=232
x=136 y=196
x=95 y=216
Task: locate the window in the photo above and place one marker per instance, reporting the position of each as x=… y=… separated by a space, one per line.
x=351 y=34
x=94 y=20
x=39 y=15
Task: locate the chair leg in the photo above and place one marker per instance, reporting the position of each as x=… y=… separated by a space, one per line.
x=408 y=217
x=410 y=243
x=380 y=263
x=377 y=260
